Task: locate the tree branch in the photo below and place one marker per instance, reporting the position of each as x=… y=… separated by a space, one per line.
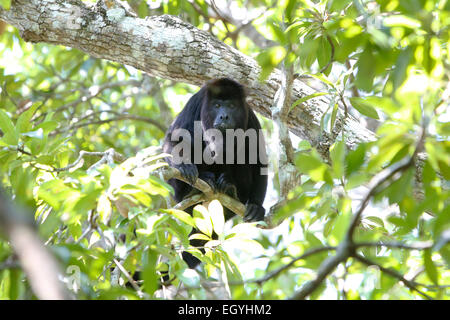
x=39 y=265
x=411 y=285
x=117 y=118
x=326 y=267
x=278 y=271
x=167 y=47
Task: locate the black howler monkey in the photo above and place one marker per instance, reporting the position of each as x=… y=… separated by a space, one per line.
x=220 y=105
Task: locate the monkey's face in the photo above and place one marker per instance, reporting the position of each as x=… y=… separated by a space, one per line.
x=228 y=114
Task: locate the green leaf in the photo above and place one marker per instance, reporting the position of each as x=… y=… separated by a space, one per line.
x=45 y=159
x=308 y=54
x=14 y=284
x=306 y=98
x=6 y=125
x=189 y=277
x=401 y=21
x=104 y=208
x=23 y=124
x=342 y=221
x=143 y=9
x=322 y=78
x=333 y=116
x=386 y=104
x=6 y=4
x=149 y=273
x=180 y=215
x=87 y=202
x=269 y=59
x=297 y=24
x=38 y=134
x=199 y=236
x=180 y=231
x=312 y=165
x=48 y=126
x=364 y=108
x=324 y=53
x=430 y=267
x=376 y=220
x=217 y=217
x=366 y=70
x=398 y=75
x=399 y=188
x=337 y=154
x=203 y=220
x=337 y=5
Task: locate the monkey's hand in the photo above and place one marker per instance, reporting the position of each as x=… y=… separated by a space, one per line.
x=209 y=178
x=254 y=212
x=188 y=172
x=223 y=185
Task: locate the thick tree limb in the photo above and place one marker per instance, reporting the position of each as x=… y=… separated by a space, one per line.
x=167 y=47
x=39 y=265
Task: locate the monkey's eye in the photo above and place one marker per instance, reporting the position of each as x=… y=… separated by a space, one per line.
x=217 y=105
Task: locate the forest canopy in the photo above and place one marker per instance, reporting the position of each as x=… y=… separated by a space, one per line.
x=353 y=98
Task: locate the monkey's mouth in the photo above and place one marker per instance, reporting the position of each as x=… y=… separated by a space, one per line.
x=223 y=126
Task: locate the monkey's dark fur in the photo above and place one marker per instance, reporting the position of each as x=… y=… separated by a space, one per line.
x=220 y=104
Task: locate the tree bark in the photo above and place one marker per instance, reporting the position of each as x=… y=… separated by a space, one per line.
x=170 y=48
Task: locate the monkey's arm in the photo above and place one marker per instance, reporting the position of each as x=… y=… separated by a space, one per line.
x=254 y=209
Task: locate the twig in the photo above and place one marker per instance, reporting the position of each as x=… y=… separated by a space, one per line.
x=276 y=272
x=381 y=178
x=411 y=285
x=94 y=93
x=118 y=118
x=128 y=276
x=342 y=254
x=415 y=246
x=10 y=264
x=234 y=205
x=347 y=247
x=106 y=156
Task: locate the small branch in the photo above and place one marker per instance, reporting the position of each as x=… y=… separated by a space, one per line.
x=190 y=201
x=94 y=91
x=107 y=156
x=288 y=174
x=376 y=182
x=245 y=26
x=381 y=178
x=328 y=266
x=351 y=79
x=208 y=194
x=411 y=285
x=9 y=265
x=278 y=271
x=398 y=245
x=129 y=277
x=118 y=118
x=234 y=205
